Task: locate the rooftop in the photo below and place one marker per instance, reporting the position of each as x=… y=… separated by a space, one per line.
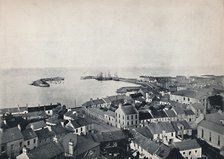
x=109 y=136
x=177 y=124
x=170 y=113
x=158 y=128
x=212 y=126
x=36 y=125
x=144 y=114
x=129 y=109
x=49 y=150
x=10 y=135
x=143 y=131
x=28 y=134
x=146 y=143
x=44 y=134
x=188 y=112
x=185 y=93
x=187 y=145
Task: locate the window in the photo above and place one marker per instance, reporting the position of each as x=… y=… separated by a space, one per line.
x=132 y=117
x=184 y=98
x=210 y=136
x=189 y=152
x=12 y=147
x=136 y=116
x=202 y=133
x=3 y=148
x=127 y=117
x=34 y=141
x=196 y=151
x=188 y=99
x=28 y=142
x=183 y=152
x=171 y=134
x=218 y=140
x=20 y=144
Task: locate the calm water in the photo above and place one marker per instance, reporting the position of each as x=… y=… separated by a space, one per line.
x=15 y=89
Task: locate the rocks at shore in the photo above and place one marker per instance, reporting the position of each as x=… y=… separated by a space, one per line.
x=44 y=82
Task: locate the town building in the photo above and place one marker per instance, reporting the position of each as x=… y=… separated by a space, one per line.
x=47 y=151
x=11 y=142
x=48 y=109
x=197 y=108
x=109 y=117
x=38 y=125
x=44 y=136
x=148 y=148
x=112 y=142
x=80 y=126
x=80 y=147
x=163 y=131
x=211 y=129
x=126 y=116
x=182 y=128
x=184 y=96
x=30 y=139
x=189 y=149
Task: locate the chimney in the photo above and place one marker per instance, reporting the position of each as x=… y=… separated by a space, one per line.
x=71 y=148
x=55 y=139
x=24 y=150
x=119 y=105
x=4 y=121
x=19 y=127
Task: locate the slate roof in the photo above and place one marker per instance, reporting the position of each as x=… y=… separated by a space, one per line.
x=79 y=122
x=186 y=93
x=212 y=126
x=158 y=114
x=129 y=109
x=28 y=134
x=53 y=120
x=157 y=128
x=43 y=108
x=170 y=113
x=188 y=112
x=46 y=151
x=109 y=136
x=198 y=106
x=146 y=143
x=144 y=131
x=184 y=123
x=84 y=144
x=12 y=110
x=187 y=145
x=110 y=113
x=144 y=115
x=58 y=129
x=44 y=134
x=40 y=114
x=163 y=151
x=36 y=125
x=10 y=135
x=179 y=110
x=215 y=117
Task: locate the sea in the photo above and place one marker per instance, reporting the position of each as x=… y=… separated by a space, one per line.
x=15 y=88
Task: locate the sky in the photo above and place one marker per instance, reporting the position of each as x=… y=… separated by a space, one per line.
x=108 y=33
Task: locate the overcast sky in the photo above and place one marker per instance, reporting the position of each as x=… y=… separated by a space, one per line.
x=112 y=33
